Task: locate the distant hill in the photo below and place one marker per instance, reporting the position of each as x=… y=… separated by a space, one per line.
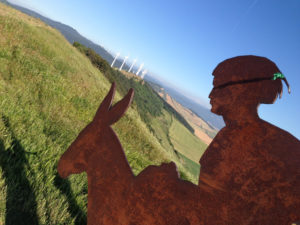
x=201 y=128
x=70 y=34
x=73 y=36
x=215 y=121
x=168 y=124
x=203 y=112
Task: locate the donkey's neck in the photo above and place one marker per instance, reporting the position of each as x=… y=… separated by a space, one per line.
x=109 y=180
x=108 y=165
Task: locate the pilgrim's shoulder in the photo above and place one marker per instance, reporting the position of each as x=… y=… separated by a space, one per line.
x=274 y=132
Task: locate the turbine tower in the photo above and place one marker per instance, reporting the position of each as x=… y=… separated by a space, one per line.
x=134 y=61
x=117 y=55
x=126 y=57
x=139 y=70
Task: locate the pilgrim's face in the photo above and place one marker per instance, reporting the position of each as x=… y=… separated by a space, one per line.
x=219 y=100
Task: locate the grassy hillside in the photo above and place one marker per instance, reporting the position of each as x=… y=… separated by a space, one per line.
x=48 y=92
x=157 y=114
x=196 y=122
x=186 y=144
x=148 y=102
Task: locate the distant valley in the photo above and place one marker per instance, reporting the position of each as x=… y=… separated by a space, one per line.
x=201 y=129
x=213 y=120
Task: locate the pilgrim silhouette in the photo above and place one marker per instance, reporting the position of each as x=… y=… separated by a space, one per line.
x=256 y=164
x=250 y=173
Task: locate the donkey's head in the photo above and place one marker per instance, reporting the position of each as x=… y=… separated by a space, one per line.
x=96 y=135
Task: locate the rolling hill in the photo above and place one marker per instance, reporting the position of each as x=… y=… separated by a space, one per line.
x=49 y=91
x=201 y=129
x=215 y=121
x=69 y=33
x=73 y=36
x=162 y=119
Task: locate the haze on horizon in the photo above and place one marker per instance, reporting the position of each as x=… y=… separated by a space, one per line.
x=181 y=43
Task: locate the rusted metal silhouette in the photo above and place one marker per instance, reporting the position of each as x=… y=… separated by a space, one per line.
x=250 y=173
x=256 y=164
x=115 y=195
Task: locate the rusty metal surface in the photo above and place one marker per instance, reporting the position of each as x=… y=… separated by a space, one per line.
x=256 y=163
x=115 y=195
x=250 y=173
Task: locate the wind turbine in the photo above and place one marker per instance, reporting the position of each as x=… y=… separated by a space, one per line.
x=134 y=61
x=117 y=55
x=126 y=57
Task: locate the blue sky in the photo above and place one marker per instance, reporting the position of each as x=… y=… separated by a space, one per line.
x=181 y=42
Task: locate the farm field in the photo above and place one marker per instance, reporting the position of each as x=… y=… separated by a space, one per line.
x=188 y=145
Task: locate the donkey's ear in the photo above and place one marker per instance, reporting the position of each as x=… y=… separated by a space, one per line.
x=118 y=110
x=106 y=103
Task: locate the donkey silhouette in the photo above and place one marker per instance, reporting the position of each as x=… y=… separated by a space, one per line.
x=250 y=173
x=115 y=196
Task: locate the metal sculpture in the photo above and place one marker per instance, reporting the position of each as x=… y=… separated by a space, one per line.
x=250 y=173
x=256 y=164
x=115 y=195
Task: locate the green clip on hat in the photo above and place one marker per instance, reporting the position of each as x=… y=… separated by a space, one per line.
x=281 y=76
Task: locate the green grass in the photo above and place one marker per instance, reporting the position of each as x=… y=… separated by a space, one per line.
x=160 y=126
x=156 y=113
x=163 y=129
x=192 y=167
x=185 y=143
x=149 y=103
x=48 y=93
